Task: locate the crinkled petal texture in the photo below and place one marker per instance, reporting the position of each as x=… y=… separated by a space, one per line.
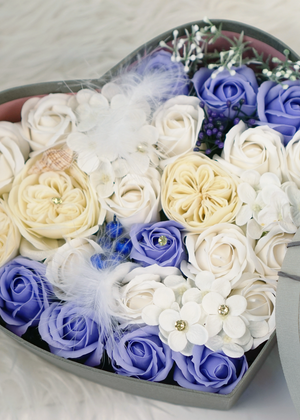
x=139 y=352
x=198 y=193
x=24 y=294
x=51 y=206
x=72 y=333
x=208 y=371
x=9 y=234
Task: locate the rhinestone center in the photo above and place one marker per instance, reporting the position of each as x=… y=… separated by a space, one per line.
x=162 y=240
x=223 y=310
x=180 y=325
x=56 y=200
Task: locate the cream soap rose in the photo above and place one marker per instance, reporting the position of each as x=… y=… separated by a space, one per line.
x=53 y=205
x=197 y=192
x=9 y=235
x=48 y=120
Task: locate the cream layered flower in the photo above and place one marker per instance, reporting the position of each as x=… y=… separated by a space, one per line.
x=51 y=206
x=47 y=120
x=138 y=290
x=14 y=151
x=64 y=260
x=197 y=192
x=271 y=250
x=293 y=158
x=223 y=250
x=258 y=148
x=136 y=198
x=9 y=234
x=260 y=312
x=178 y=122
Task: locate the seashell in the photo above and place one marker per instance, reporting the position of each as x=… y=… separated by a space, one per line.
x=53 y=160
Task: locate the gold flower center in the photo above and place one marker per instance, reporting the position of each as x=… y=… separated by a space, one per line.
x=162 y=240
x=180 y=325
x=56 y=200
x=223 y=310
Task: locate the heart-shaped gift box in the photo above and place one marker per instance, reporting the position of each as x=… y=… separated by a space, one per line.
x=11 y=102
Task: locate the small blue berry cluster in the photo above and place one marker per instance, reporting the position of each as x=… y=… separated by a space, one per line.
x=115 y=245
x=215 y=126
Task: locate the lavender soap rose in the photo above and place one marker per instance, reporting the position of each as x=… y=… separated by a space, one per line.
x=159 y=243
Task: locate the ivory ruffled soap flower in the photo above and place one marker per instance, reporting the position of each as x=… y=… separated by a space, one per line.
x=138 y=289
x=47 y=120
x=260 y=310
x=178 y=122
x=9 y=235
x=258 y=148
x=271 y=250
x=198 y=193
x=14 y=151
x=223 y=250
x=293 y=158
x=136 y=198
x=51 y=206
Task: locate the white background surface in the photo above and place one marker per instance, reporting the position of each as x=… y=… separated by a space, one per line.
x=55 y=40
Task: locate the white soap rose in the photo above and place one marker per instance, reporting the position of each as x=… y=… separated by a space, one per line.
x=222 y=249
x=47 y=121
x=65 y=259
x=51 y=206
x=9 y=235
x=260 y=311
x=258 y=148
x=138 y=289
x=293 y=158
x=271 y=250
x=136 y=198
x=178 y=122
x=14 y=151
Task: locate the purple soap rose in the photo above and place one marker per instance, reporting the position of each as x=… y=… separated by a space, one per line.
x=279 y=107
x=140 y=353
x=24 y=294
x=208 y=371
x=72 y=333
x=225 y=91
x=160 y=62
x=157 y=243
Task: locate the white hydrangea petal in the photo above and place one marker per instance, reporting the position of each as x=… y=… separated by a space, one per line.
x=215 y=343
x=197 y=334
x=204 y=280
x=192 y=295
x=252 y=177
x=168 y=318
x=190 y=312
x=211 y=302
x=246 y=193
x=237 y=305
x=258 y=329
x=268 y=179
x=177 y=340
x=150 y=314
x=254 y=230
x=221 y=286
x=234 y=326
x=213 y=325
x=163 y=297
x=233 y=350
x=244 y=215
x=120 y=167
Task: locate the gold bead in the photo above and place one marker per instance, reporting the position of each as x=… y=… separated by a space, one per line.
x=56 y=200
x=180 y=325
x=162 y=240
x=223 y=310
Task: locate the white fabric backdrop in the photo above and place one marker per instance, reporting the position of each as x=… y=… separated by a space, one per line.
x=55 y=40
